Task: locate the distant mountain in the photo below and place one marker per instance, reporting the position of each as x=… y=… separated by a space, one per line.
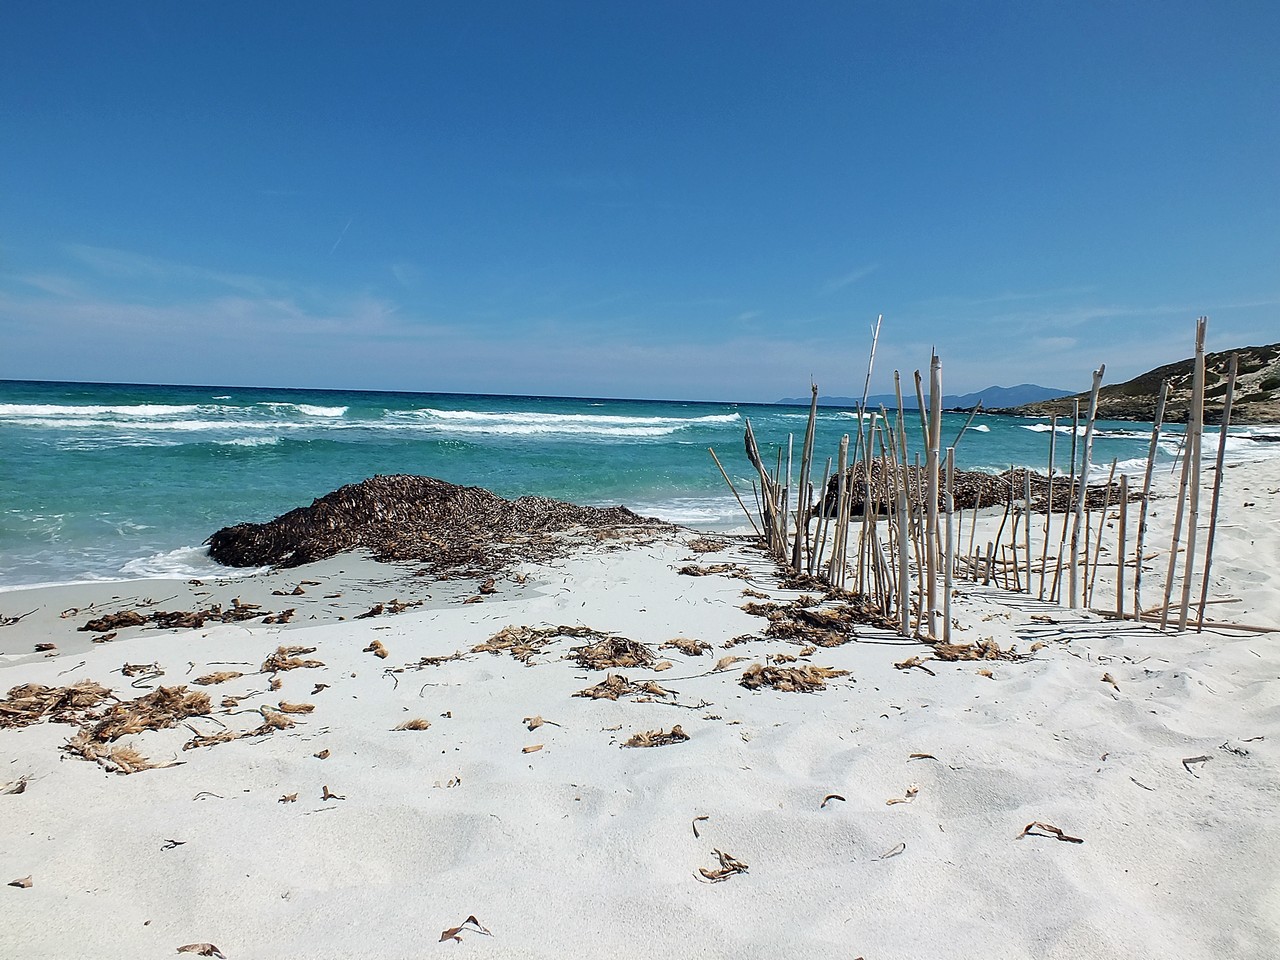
x=990 y=397
x=1256 y=398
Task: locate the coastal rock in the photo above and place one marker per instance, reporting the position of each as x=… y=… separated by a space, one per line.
x=454 y=529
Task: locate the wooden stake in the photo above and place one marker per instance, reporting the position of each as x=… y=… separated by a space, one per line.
x=1074 y=572
x=1146 y=492
x=802 y=500
x=735 y=491
x=1048 y=513
x=1120 y=548
x=1217 y=482
x=931 y=532
x=1197 y=427
x=950 y=561
x=1102 y=524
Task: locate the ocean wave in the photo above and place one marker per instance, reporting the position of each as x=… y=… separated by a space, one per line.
x=524 y=416
x=249 y=442
x=59 y=411
x=307 y=409
x=183 y=563
x=980 y=428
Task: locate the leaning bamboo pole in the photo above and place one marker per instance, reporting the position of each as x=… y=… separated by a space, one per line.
x=950 y=560
x=1102 y=525
x=932 y=465
x=866 y=386
x=1146 y=493
x=1074 y=572
x=1177 y=534
x=1217 y=482
x=1120 y=548
x=1026 y=495
x=1197 y=421
x=802 y=497
x=1048 y=511
x=837 y=536
x=1055 y=593
x=735 y=491
x=820 y=535
x=972 y=413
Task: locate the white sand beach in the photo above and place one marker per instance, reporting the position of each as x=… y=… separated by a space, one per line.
x=883 y=816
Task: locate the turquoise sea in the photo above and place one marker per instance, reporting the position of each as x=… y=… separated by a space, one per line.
x=104 y=481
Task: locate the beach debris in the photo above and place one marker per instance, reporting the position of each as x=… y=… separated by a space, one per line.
x=318 y=687
x=612 y=651
x=45 y=647
x=724 y=663
x=613 y=686
x=707 y=545
x=275 y=684
x=288 y=798
x=533 y=723
x=286 y=707
x=732 y=569
x=114 y=621
x=377 y=649
x=202 y=950
x=10 y=621
x=105 y=638
x=828 y=798
x=984 y=672
x=415 y=724
x=532 y=748
x=1188 y=761
x=662 y=665
x=696 y=821
x=221 y=676
x=469 y=925
x=284 y=616
x=910 y=796
x=910 y=662
x=488 y=587
x=524 y=643
x=1143 y=785
x=1038 y=828
x=289 y=658
x=13 y=787
x=374 y=611
x=756 y=594
x=1229 y=747
x=164 y=707
x=652 y=689
x=295 y=592
x=806 y=679
x=740 y=638
x=1107 y=678
x=923 y=756
x=322 y=755
x=172 y=845
x=657 y=738
x=327 y=794
x=459 y=531
x=984 y=649
x=22 y=882
x=687 y=646
x=729 y=866
x=32 y=702
x=901 y=847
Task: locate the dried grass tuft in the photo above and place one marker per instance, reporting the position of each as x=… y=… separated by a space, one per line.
x=657 y=738
x=221 y=676
x=415 y=724
x=612 y=652
x=805 y=679
x=613 y=686
x=691 y=648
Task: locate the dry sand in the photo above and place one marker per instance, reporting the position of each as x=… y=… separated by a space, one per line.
x=587 y=848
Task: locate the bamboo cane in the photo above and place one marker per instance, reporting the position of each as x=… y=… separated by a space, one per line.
x=1048 y=512
x=1146 y=493
x=1102 y=523
x=1074 y=572
x=972 y=413
x=820 y=537
x=1026 y=492
x=1217 y=481
x=735 y=491
x=1120 y=547
x=802 y=500
x=838 y=535
x=1197 y=419
x=931 y=534
x=1177 y=532
x=949 y=567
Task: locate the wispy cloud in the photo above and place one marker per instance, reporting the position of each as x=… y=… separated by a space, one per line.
x=850 y=278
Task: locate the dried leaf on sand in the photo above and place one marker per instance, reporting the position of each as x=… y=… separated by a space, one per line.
x=805 y=679
x=524 y=642
x=532 y=748
x=377 y=649
x=910 y=795
x=612 y=687
x=706 y=545
x=732 y=569
x=657 y=738
x=33 y=702
x=724 y=663
x=687 y=646
x=910 y=662
x=17 y=786
x=287 y=707
x=201 y=950
x=289 y=658
x=612 y=652
x=985 y=649
x=22 y=882
x=221 y=676
x=469 y=925
x=1039 y=829
x=729 y=866
x=415 y=724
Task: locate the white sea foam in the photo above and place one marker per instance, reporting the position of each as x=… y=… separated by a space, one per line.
x=307 y=409
x=980 y=428
x=61 y=411
x=250 y=442
x=184 y=563
x=528 y=423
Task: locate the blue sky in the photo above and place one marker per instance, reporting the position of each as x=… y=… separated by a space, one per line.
x=683 y=200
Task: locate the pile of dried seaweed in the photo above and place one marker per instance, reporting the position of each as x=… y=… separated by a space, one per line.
x=970 y=489
x=173 y=619
x=524 y=643
x=457 y=530
x=804 y=679
x=609 y=652
x=657 y=738
x=33 y=702
x=806 y=621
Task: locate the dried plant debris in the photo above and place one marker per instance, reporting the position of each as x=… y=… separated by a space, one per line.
x=45 y=647
x=221 y=676
x=613 y=686
x=457 y=531
x=16 y=786
x=115 y=621
x=729 y=867
x=806 y=679
x=532 y=748
x=288 y=798
x=724 y=663
x=161 y=709
x=524 y=643
x=910 y=796
x=469 y=925
x=287 y=707
x=1107 y=678
x=1188 y=761
x=984 y=649
x=829 y=797
x=175 y=619
x=137 y=669
x=1040 y=829
x=32 y=702
x=284 y=616
x=910 y=662
x=23 y=883
x=327 y=794
x=707 y=545
x=377 y=649
x=289 y=658
x=893 y=852
x=696 y=821
x=657 y=738
x=416 y=724
x=731 y=569
x=828 y=622
x=202 y=950
x=690 y=648
x=322 y=755
x=610 y=652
